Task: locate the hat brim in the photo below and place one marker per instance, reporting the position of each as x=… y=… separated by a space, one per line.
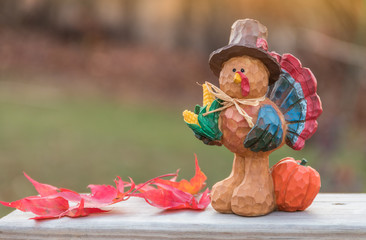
x=220 y=56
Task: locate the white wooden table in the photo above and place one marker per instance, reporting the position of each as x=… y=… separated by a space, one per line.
x=331 y=216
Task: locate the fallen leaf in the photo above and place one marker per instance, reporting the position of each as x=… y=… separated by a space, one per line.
x=103 y=195
x=73 y=212
x=146 y=186
x=169 y=194
x=193 y=186
x=42 y=189
x=54 y=202
x=170 y=198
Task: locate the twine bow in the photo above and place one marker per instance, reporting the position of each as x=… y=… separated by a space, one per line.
x=229 y=101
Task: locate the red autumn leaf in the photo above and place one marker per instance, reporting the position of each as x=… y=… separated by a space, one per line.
x=169 y=194
x=169 y=198
x=103 y=195
x=42 y=189
x=81 y=211
x=204 y=201
x=69 y=195
x=164 y=199
x=73 y=212
x=146 y=186
x=50 y=205
x=55 y=202
x=193 y=186
x=77 y=211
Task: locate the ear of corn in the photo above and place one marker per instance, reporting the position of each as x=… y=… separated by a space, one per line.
x=208 y=98
x=190 y=117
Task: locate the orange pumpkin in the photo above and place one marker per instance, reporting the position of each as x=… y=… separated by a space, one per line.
x=295 y=184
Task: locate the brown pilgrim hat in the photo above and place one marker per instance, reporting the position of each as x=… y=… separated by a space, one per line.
x=248 y=37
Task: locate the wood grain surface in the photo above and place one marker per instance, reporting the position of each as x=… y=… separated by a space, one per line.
x=331 y=216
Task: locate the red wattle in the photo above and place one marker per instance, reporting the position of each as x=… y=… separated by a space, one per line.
x=245 y=88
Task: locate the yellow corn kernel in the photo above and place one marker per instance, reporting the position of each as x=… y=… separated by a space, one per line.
x=208 y=98
x=190 y=117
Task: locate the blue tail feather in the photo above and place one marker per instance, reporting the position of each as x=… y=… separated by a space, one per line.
x=296 y=127
x=295 y=95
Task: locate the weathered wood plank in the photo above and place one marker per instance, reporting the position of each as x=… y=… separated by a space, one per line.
x=331 y=216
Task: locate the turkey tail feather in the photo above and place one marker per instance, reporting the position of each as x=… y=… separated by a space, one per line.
x=295 y=95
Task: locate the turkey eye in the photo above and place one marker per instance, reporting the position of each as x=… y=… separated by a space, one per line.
x=234 y=69
x=242 y=70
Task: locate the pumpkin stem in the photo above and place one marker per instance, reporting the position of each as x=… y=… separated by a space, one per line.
x=303 y=162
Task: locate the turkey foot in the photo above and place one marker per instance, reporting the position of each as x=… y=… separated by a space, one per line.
x=222 y=191
x=255 y=194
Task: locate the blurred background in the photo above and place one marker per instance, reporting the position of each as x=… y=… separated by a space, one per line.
x=94 y=89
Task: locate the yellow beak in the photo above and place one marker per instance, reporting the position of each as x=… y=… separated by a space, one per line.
x=237 y=78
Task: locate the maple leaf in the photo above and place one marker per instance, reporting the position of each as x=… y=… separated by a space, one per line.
x=56 y=202
x=82 y=211
x=50 y=205
x=169 y=194
x=170 y=198
x=146 y=186
x=42 y=189
x=103 y=195
x=193 y=186
x=73 y=212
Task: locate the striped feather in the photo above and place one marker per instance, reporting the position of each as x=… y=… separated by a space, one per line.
x=295 y=95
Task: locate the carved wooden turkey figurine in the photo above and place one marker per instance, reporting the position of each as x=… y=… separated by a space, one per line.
x=264 y=101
